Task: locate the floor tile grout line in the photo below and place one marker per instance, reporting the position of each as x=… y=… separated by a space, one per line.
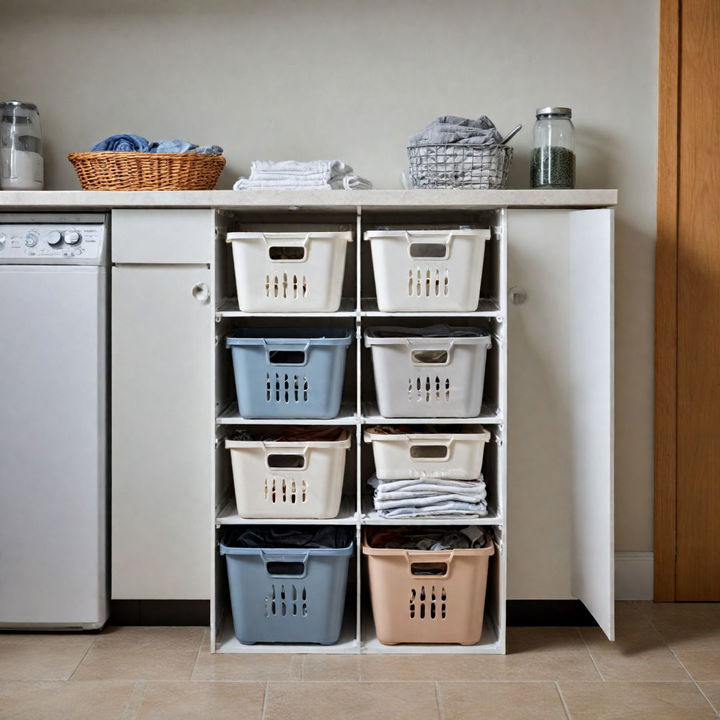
x=702 y=692
x=566 y=709
x=696 y=683
x=265 y=696
x=85 y=654
x=682 y=665
x=440 y=709
x=197 y=657
x=592 y=659
x=135 y=701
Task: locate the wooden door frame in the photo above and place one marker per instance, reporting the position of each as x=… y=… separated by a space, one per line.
x=666 y=299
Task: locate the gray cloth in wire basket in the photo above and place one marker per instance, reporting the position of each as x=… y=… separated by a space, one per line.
x=459 y=166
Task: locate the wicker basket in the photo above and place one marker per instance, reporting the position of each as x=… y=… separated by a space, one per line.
x=146 y=171
x=459 y=166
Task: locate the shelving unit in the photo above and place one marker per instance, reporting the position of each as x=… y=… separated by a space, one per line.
x=359 y=409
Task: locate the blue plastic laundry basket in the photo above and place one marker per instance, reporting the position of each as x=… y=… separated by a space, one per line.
x=296 y=373
x=288 y=595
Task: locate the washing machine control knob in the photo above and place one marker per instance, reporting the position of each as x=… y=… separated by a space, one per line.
x=55 y=237
x=71 y=237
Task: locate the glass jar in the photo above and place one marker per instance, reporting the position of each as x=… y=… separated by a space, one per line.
x=553 y=158
x=21 y=158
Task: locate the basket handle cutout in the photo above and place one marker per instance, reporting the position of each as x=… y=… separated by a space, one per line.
x=286 y=253
x=286 y=461
x=420 y=250
x=429 y=357
x=437 y=569
x=430 y=452
x=286 y=357
x=285 y=569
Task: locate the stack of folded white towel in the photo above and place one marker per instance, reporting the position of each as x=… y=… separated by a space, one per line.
x=429 y=497
x=292 y=175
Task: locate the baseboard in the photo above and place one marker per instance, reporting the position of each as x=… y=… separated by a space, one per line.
x=633 y=581
x=633 y=576
x=548 y=613
x=159 y=612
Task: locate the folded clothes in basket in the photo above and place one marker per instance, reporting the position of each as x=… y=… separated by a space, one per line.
x=427 y=538
x=293 y=175
x=292 y=433
x=451 y=129
x=329 y=536
x=431 y=331
x=428 y=497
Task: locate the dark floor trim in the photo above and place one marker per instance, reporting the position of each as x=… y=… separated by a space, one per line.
x=548 y=613
x=160 y=612
x=538 y=613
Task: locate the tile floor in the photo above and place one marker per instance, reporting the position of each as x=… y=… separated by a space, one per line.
x=665 y=665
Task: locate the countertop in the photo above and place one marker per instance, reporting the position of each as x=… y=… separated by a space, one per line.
x=304 y=199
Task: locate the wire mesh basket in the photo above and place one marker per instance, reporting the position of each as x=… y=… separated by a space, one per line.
x=459 y=166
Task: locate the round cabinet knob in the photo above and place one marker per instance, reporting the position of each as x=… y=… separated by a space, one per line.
x=71 y=237
x=54 y=237
x=31 y=240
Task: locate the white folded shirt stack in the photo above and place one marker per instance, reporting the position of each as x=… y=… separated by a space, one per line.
x=429 y=497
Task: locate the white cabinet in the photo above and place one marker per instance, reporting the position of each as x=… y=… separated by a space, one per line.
x=162 y=406
x=560 y=418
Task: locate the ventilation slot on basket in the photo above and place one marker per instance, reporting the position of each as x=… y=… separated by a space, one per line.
x=428 y=603
x=281 y=490
x=429 y=388
x=286 y=600
x=428 y=282
x=284 y=388
x=286 y=286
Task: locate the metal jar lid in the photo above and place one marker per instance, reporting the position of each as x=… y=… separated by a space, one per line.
x=18 y=103
x=559 y=111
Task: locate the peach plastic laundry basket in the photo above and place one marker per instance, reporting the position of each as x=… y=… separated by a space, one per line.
x=427 y=596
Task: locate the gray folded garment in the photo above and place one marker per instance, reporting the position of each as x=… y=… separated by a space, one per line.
x=451 y=129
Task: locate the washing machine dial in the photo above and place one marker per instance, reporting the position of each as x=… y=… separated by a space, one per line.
x=31 y=240
x=3 y=238
x=71 y=237
x=55 y=237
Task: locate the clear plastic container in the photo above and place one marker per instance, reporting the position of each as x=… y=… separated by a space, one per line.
x=552 y=165
x=21 y=154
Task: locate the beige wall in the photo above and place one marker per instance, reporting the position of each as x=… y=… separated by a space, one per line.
x=353 y=79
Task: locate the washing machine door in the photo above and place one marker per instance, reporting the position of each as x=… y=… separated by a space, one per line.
x=52 y=446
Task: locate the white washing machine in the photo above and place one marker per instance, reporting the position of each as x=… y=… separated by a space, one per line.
x=53 y=429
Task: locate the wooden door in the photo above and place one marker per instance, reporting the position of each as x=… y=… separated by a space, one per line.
x=687 y=541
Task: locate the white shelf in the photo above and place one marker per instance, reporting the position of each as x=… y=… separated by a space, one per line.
x=358 y=635
x=489 y=308
x=489 y=415
x=230 y=416
x=229 y=309
x=490 y=643
x=347 y=516
x=348 y=644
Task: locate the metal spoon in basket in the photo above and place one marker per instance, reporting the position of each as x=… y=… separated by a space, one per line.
x=511 y=134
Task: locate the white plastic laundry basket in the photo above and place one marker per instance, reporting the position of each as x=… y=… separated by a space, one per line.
x=289 y=271
x=427 y=270
x=454 y=456
x=428 y=376
x=288 y=479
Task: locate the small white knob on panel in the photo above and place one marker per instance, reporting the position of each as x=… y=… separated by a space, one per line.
x=54 y=237
x=71 y=237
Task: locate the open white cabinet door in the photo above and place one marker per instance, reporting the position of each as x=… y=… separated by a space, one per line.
x=591 y=358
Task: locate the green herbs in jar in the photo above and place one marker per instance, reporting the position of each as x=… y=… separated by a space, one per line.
x=552 y=167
